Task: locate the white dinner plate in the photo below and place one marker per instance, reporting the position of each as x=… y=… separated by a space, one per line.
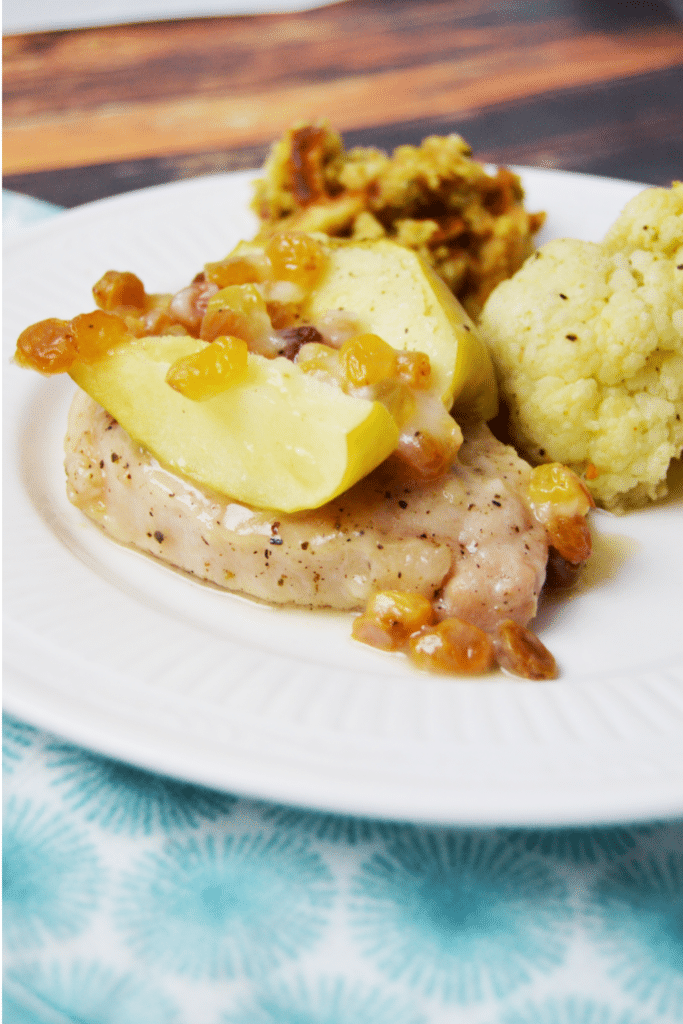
x=119 y=653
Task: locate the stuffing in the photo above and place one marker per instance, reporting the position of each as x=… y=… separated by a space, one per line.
x=471 y=226
x=587 y=339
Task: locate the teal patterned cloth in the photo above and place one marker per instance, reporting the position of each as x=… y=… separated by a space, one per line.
x=131 y=898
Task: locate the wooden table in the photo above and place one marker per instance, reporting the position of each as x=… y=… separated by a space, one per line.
x=586 y=85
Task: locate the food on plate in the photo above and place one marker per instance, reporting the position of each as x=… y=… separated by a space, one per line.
x=388 y=289
x=470 y=546
x=315 y=403
x=304 y=423
x=277 y=437
x=373 y=537
x=470 y=225
x=587 y=339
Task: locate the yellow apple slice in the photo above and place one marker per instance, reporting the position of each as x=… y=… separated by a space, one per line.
x=278 y=439
x=391 y=291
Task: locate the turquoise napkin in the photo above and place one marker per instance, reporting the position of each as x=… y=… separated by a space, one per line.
x=131 y=898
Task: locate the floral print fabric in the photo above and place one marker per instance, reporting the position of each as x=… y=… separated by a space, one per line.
x=130 y=897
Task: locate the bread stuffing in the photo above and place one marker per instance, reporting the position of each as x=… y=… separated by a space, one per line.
x=435 y=198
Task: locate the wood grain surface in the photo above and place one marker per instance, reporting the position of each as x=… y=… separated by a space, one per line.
x=575 y=84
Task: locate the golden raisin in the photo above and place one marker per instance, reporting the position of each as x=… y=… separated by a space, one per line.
x=390 y=617
x=97 y=332
x=367 y=359
x=48 y=346
x=119 y=288
x=519 y=651
x=244 y=269
x=452 y=646
x=297 y=258
x=571 y=537
x=210 y=371
x=558 y=484
x=243 y=298
x=560 y=501
x=428 y=457
x=368 y=630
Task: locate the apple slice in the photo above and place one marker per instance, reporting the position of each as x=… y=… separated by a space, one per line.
x=391 y=291
x=278 y=439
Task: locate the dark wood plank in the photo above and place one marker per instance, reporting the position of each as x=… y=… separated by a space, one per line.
x=630 y=129
x=81 y=70
x=143 y=92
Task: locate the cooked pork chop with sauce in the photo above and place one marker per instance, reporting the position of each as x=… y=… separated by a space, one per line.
x=468 y=541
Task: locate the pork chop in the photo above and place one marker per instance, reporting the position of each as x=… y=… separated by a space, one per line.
x=467 y=541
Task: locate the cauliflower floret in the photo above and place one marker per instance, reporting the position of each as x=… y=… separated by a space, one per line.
x=650 y=221
x=588 y=343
